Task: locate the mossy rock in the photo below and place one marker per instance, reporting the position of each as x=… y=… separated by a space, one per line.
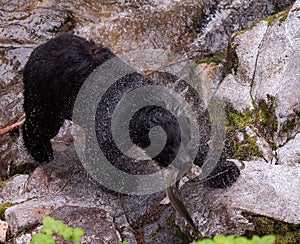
x=3 y=183
x=209 y=60
x=278 y=16
x=286 y=233
x=289 y=125
x=261 y=120
x=25 y=168
x=3 y=207
x=185 y=237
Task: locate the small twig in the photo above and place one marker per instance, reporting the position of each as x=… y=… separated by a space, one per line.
x=214 y=176
x=146 y=74
x=12 y=127
x=62 y=142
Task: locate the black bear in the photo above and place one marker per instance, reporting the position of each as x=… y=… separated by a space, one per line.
x=53 y=77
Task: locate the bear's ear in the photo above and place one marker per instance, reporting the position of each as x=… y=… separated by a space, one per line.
x=95 y=53
x=101 y=53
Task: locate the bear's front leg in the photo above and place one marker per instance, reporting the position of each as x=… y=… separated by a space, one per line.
x=40 y=126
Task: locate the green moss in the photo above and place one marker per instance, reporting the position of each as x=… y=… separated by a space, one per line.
x=232 y=59
x=266 y=119
x=297 y=112
x=262 y=119
x=154 y=236
x=270 y=19
x=208 y=60
x=3 y=183
x=241 y=32
x=285 y=233
x=284 y=15
x=3 y=207
x=281 y=16
x=246 y=149
x=241 y=120
x=245 y=30
x=185 y=237
x=216 y=58
x=289 y=125
x=253 y=148
x=25 y=168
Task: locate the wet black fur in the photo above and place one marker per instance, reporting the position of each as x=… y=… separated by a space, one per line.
x=53 y=76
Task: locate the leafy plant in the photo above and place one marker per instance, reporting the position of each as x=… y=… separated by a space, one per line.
x=269 y=239
x=52 y=226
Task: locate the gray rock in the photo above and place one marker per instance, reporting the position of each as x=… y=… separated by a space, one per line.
x=3 y=231
x=235 y=93
x=24 y=239
x=223 y=18
x=30 y=213
x=62 y=190
x=268 y=68
x=236 y=88
x=96 y=222
x=277 y=69
x=289 y=154
x=262 y=189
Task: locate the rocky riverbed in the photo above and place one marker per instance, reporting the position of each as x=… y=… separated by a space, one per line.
x=255 y=44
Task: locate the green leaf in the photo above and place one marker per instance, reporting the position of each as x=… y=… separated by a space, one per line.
x=255 y=240
x=76 y=239
x=270 y=239
x=238 y=240
x=59 y=225
x=205 y=241
x=77 y=234
x=49 y=225
x=67 y=233
x=42 y=239
x=224 y=240
x=242 y=240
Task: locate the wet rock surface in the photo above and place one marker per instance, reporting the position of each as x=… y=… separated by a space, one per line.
x=63 y=190
x=262 y=92
x=122 y=26
x=261 y=190
x=262 y=112
x=266 y=82
x=223 y=18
